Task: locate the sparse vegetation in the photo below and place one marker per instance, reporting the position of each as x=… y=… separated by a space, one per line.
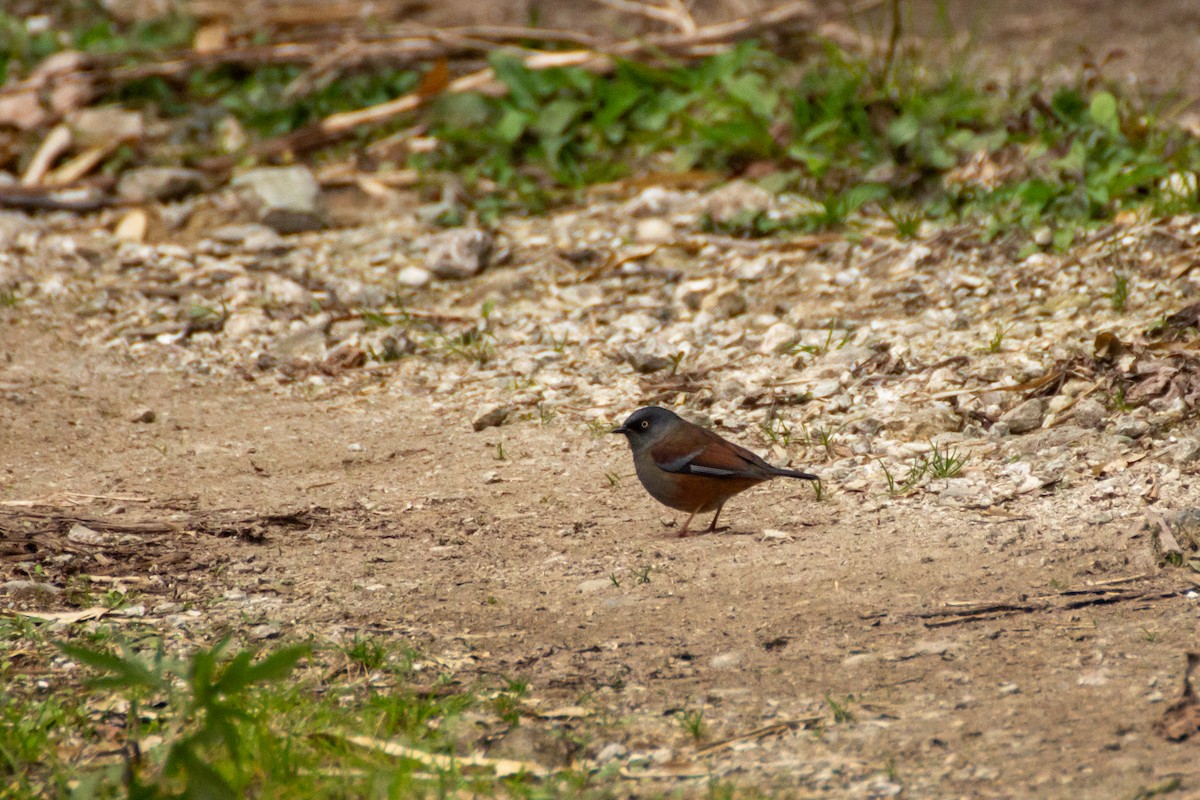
x=692 y=723
x=1120 y=291
x=848 y=133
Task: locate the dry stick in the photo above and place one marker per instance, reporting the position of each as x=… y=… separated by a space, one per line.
x=673 y=14
x=994 y=610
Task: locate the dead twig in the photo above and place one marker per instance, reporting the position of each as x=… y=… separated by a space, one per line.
x=1098 y=596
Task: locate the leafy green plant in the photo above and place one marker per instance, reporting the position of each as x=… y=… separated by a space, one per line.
x=1120 y=291
x=367 y=652
x=840 y=708
x=207 y=697
x=945 y=462
x=693 y=724
x=913 y=475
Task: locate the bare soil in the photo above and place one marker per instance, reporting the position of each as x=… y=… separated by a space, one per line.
x=1016 y=649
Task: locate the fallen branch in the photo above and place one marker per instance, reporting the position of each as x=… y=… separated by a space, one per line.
x=1097 y=596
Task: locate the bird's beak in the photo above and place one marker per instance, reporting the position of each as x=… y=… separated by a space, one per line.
x=622 y=430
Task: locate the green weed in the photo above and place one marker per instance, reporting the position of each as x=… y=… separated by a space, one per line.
x=1120 y=291
x=692 y=723
x=840 y=709
x=945 y=462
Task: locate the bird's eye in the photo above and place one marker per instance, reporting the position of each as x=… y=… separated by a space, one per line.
x=645 y=424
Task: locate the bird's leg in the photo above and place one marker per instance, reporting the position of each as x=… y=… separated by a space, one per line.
x=713 y=525
x=684 y=530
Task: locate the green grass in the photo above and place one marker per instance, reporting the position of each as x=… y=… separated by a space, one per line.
x=895 y=139
x=218 y=722
x=1120 y=292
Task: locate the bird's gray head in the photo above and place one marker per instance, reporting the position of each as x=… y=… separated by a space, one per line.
x=647 y=425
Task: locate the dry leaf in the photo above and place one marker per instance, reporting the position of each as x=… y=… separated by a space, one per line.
x=67 y=617
x=435 y=81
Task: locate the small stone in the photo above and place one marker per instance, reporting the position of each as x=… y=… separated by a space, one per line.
x=1025 y=417
x=648 y=355
x=459 y=253
x=246 y=322
x=145 y=416
x=491 y=476
x=1185 y=451
x=1090 y=413
x=104 y=126
x=82 y=534
x=736 y=200
x=726 y=302
x=725 y=660
x=307 y=342
x=493 y=418
x=285 y=291
x=286 y=197
x=1007 y=689
x=132 y=227
x=261 y=633
x=826 y=388
x=251 y=236
x=654 y=230
x=692 y=293
x=1131 y=426
x=360 y=294
x=779 y=339
x=595 y=585
x=28 y=587
x=158 y=184
x=415 y=277
x=612 y=751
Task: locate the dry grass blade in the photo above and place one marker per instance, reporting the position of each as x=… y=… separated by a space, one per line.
x=501 y=767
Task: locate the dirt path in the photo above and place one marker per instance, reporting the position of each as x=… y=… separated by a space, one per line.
x=407 y=536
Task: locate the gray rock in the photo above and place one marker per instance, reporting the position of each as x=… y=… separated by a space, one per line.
x=726 y=302
x=926 y=421
x=492 y=419
x=104 y=125
x=595 y=585
x=612 y=751
x=1131 y=426
x=1185 y=451
x=285 y=291
x=1090 y=413
x=28 y=587
x=144 y=416
x=261 y=633
x=654 y=230
x=307 y=342
x=353 y=292
x=725 y=660
x=246 y=322
x=287 y=198
x=778 y=339
x=1025 y=417
x=251 y=236
x=734 y=200
x=158 y=184
x=459 y=253
x=647 y=355
x=414 y=277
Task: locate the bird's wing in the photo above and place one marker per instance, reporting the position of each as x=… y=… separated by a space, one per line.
x=686 y=453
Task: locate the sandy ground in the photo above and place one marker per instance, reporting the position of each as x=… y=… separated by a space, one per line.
x=1012 y=649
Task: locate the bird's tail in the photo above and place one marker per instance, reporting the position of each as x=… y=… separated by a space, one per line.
x=791 y=473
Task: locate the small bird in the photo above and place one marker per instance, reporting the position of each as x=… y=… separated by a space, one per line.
x=690 y=468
